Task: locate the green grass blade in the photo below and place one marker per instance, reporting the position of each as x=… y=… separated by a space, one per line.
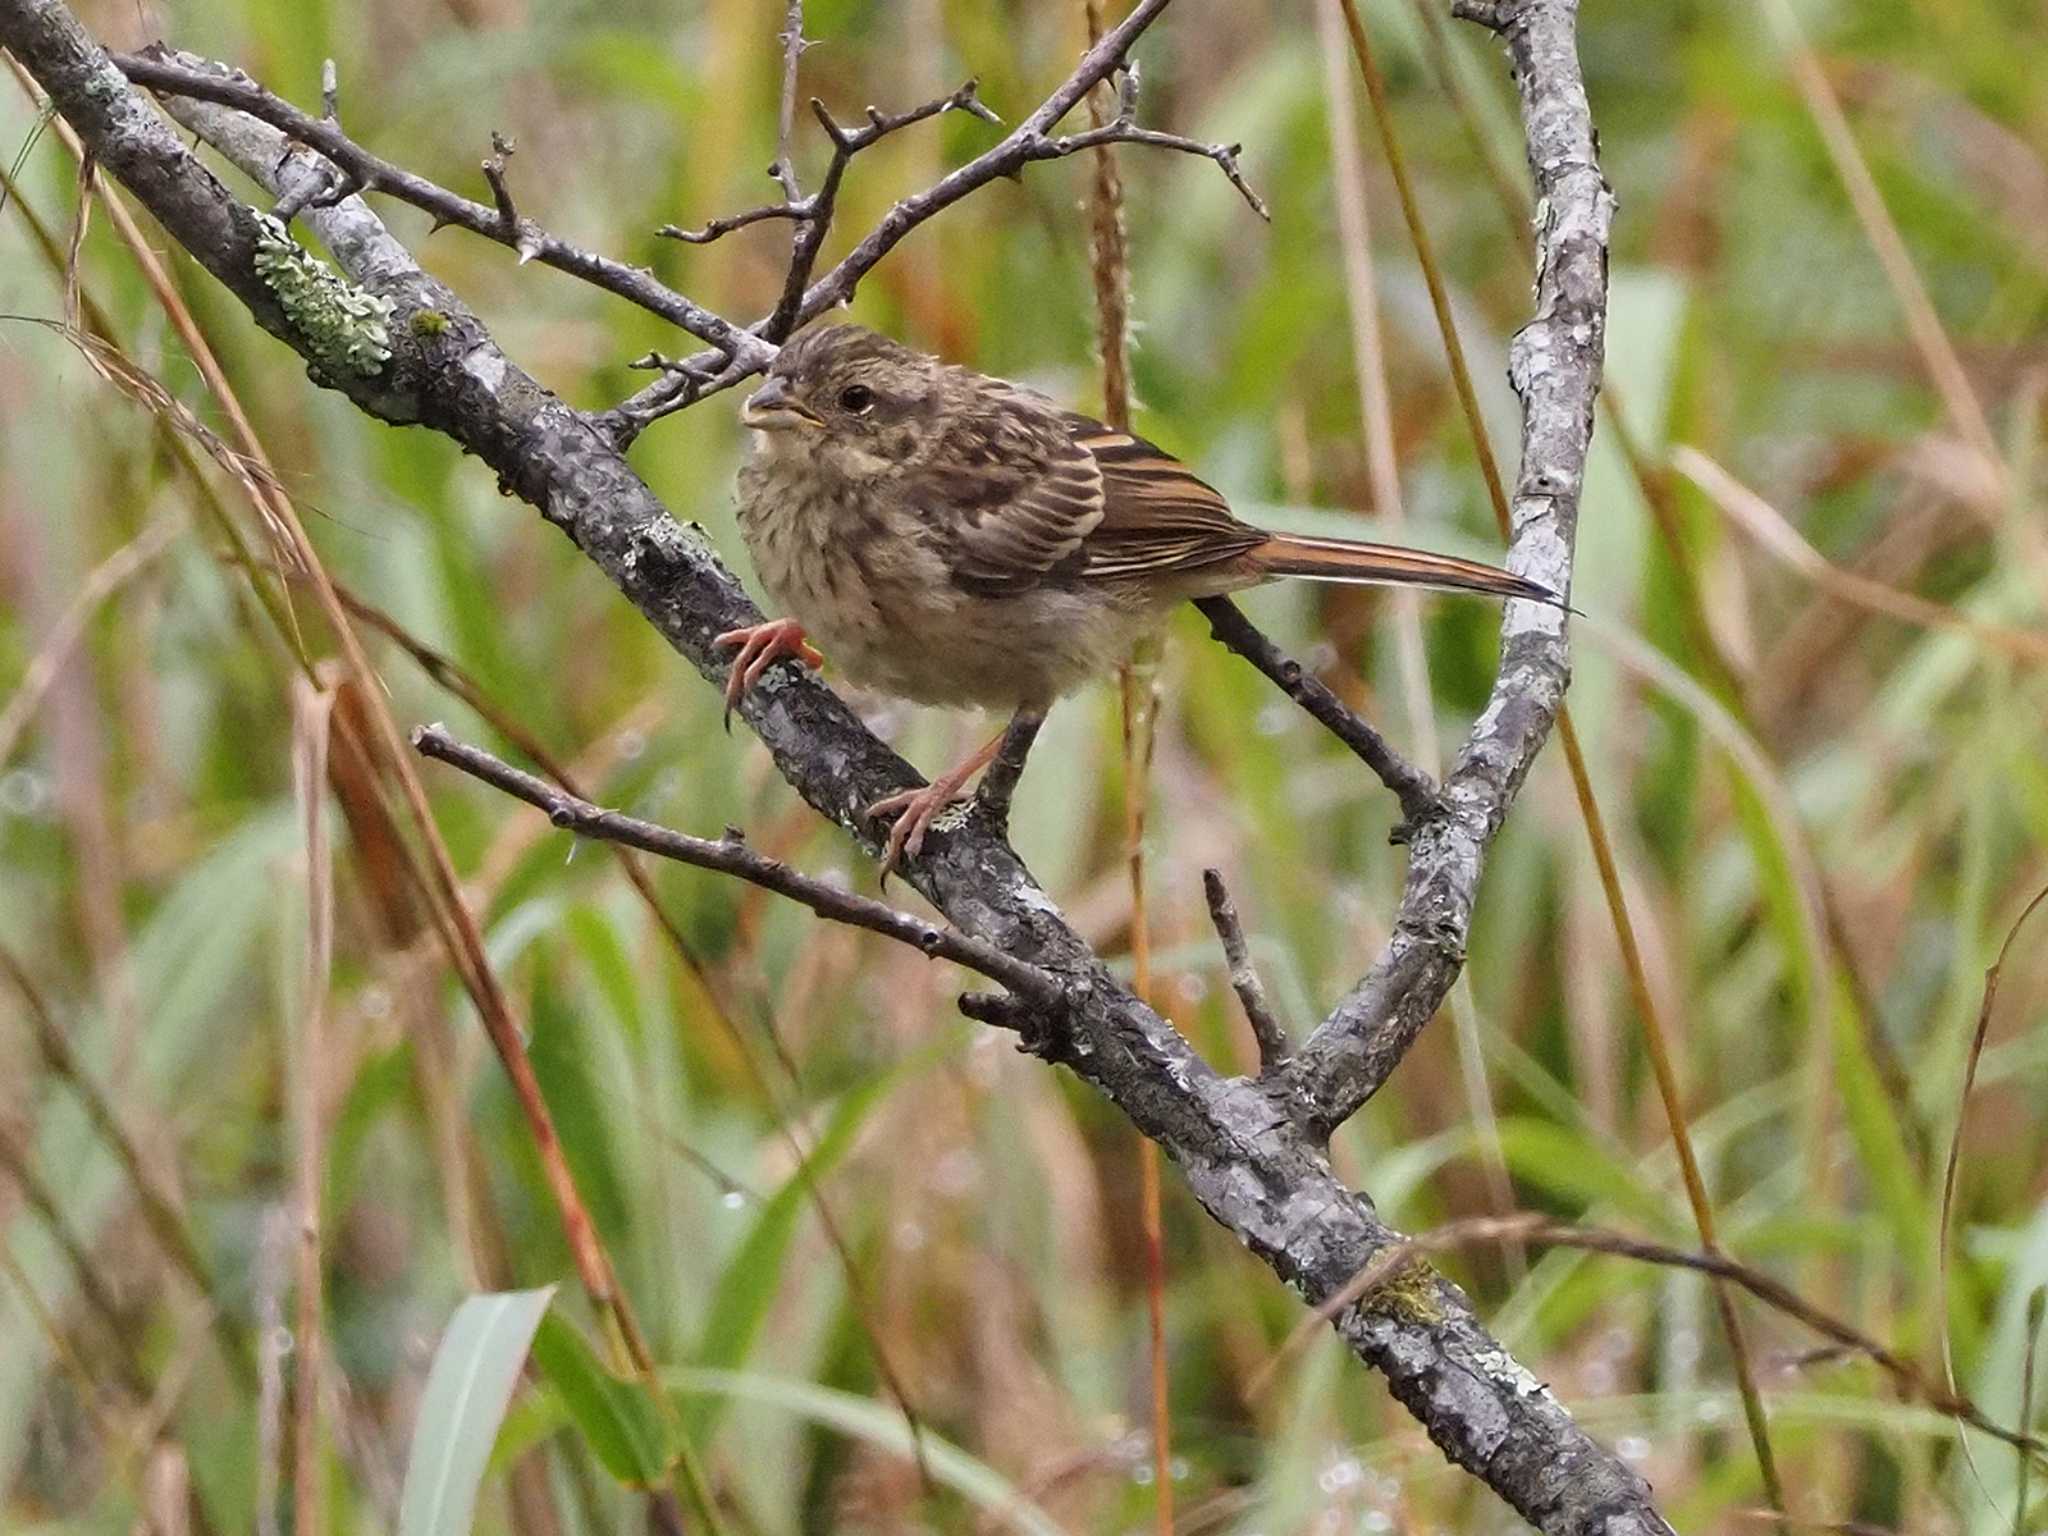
x=468 y=1391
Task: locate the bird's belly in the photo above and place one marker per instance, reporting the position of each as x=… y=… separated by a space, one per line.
x=883 y=607
x=952 y=648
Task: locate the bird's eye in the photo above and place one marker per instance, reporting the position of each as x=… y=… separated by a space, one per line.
x=857 y=398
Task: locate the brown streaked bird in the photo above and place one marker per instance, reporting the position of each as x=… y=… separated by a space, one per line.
x=956 y=539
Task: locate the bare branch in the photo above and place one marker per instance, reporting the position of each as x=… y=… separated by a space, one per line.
x=1124 y=129
x=1274 y=1046
x=1416 y=791
x=184 y=75
x=1030 y=140
x=731 y=856
x=718 y=229
x=512 y=229
x=999 y=782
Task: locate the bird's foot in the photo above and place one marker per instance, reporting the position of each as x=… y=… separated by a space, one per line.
x=914 y=811
x=760 y=647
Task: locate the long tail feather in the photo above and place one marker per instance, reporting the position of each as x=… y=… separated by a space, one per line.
x=1352 y=560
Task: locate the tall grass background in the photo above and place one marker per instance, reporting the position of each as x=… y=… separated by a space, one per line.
x=1829 y=805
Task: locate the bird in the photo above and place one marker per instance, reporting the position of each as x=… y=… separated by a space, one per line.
x=956 y=539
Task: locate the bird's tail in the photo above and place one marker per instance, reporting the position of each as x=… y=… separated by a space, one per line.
x=1353 y=560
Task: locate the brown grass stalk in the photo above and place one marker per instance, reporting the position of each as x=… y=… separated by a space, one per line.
x=1137 y=695
x=312 y=710
x=1774 y=534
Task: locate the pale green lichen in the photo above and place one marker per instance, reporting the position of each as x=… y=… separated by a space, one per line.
x=343 y=326
x=1409 y=1293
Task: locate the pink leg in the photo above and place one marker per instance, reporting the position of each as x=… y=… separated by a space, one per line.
x=915 y=808
x=760 y=647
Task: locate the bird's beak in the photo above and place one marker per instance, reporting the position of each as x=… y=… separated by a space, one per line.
x=772 y=408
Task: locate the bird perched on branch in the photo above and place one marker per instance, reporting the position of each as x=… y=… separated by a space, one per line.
x=955 y=539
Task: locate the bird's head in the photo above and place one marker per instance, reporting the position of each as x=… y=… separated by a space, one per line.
x=848 y=400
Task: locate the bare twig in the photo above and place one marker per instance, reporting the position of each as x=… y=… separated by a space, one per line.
x=184 y=75
x=695 y=378
x=1416 y=791
x=729 y=855
x=1398 y=1262
x=999 y=781
x=1271 y=1035
x=512 y=230
x=794 y=46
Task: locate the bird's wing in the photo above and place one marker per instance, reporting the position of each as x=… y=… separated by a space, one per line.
x=1010 y=496
x=1021 y=493
x=1156 y=515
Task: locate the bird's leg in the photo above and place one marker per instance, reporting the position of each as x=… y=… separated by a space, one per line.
x=914 y=809
x=1000 y=782
x=760 y=646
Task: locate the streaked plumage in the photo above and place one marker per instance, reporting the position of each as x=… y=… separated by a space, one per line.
x=956 y=539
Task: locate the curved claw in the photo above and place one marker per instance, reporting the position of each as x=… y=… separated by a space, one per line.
x=760 y=647
x=914 y=810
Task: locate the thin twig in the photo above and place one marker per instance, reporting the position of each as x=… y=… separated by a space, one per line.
x=184 y=75
x=512 y=230
x=1124 y=129
x=793 y=49
x=1414 y=789
x=731 y=856
x=692 y=379
x=1542 y=1231
x=1267 y=1030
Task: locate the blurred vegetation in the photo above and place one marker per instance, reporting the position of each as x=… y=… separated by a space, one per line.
x=1827 y=817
